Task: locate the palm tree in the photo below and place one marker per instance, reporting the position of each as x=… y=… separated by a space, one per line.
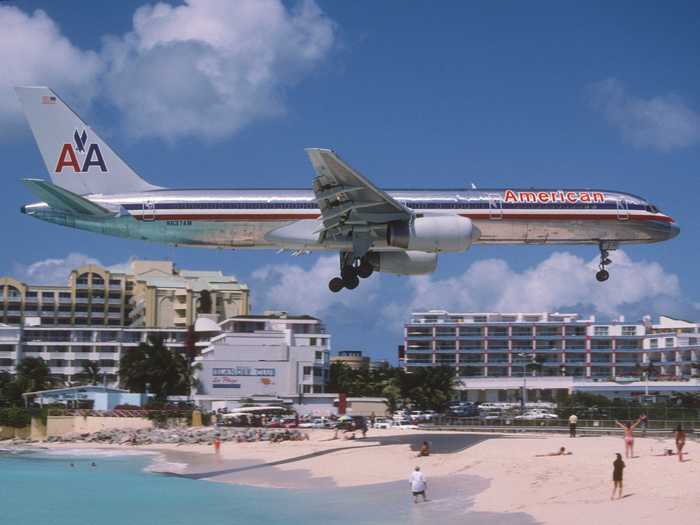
x=33 y=374
x=91 y=373
x=151 y=363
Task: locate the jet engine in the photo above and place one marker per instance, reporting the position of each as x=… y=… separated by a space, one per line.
x=403 y=263
x=445 y=233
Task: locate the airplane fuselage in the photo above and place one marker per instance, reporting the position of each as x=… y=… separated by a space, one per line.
x=249 y=218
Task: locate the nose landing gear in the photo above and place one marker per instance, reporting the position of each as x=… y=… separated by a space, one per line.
x=351 y=270
x=602 y=274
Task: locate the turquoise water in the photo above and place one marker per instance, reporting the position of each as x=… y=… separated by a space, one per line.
x=42 y=488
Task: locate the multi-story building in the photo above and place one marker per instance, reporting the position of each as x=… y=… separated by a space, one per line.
x=274 y=355
x=151 y=294
x=67 y=349
x=352 y=358
x=491 y=350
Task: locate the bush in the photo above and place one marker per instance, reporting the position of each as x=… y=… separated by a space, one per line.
x=15 y=417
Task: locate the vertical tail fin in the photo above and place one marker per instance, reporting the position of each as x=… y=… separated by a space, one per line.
x=76 y=158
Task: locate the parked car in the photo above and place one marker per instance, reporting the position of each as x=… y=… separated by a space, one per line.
x=383 y=423
x=317 y=422
x=536 y=414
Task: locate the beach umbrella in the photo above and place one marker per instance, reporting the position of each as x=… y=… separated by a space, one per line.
x=345 y=418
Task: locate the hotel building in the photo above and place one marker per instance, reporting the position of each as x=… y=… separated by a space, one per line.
x=151 y=294
x=492 y=352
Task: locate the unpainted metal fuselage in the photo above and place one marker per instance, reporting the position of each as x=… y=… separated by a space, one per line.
x=250 y=218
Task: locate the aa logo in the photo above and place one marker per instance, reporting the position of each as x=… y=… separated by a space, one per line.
x=69 y=155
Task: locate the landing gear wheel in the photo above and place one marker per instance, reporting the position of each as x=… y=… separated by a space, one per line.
x=335 y=284
x=348 y=272
x=602 y=275
x=351 y=282
x=365 y=270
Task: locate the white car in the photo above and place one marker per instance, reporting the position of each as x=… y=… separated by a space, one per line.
x=536 y=414
x=383 y=423
x=317 y=422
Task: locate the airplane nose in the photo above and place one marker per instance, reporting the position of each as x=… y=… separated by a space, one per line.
x=673 y=230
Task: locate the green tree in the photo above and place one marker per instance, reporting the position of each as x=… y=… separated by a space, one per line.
x=10 y=391
x=430 y=387
x=33 y=374
x=164 y=371
x=91 y=373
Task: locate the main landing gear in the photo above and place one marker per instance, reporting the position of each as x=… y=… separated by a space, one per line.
x=602 y=274
x=351 y=270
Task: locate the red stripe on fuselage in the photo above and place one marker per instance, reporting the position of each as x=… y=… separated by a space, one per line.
x=485 y=216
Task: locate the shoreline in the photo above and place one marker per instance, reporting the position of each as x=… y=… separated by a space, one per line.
x=552 y=490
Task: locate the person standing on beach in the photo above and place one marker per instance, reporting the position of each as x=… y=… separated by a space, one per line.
x=618 y=466
x=573 y=419
x=680 y=441
x=644 y=419
x=419 y=484
x=629 y=436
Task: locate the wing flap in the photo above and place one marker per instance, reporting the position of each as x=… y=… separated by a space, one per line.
x=346 y=198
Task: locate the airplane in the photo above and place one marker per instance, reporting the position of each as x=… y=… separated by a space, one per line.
x=394 y=231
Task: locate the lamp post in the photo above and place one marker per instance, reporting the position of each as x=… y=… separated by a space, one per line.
x=523 y=394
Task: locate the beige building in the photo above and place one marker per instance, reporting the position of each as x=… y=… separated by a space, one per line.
x=151 y=294
x=352 y=358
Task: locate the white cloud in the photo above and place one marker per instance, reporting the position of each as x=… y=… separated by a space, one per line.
x=57 y=270
x=560 y=282
x=52 y=271
x=209 y=67
x=291 y=288
x=33 y=51
x=204 y=68
x=663 y=122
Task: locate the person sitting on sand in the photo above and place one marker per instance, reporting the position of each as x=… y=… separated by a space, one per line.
x=418 y=484
x=424 y=449
x=561 y=452
x=680 y=441
x=618 y=466
x=629 y=436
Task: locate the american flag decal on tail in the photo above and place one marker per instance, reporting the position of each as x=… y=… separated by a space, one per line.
x=48 y=100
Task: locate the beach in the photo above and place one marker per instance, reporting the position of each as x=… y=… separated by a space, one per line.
x=501 y=473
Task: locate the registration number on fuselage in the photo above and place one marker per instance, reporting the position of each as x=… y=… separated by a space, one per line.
x=178 y=223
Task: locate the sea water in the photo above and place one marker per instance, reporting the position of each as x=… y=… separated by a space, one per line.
x=50 y=488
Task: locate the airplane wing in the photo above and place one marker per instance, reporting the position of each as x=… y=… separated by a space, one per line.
x=62 y=199
x=350 y=204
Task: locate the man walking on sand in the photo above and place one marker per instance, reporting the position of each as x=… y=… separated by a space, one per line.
x=418 y=484
x=572 y=425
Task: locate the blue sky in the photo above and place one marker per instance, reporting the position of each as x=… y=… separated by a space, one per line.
x=411 y=93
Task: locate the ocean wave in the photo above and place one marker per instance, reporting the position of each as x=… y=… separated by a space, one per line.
x=160 y=465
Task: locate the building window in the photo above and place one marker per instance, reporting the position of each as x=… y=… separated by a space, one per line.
x=653 y=343
x=307 y=370
x=669 y=342
x=307 y=389
x=312 y=341
x=692 y=340
x=600 y=330
x=629 y=330
x=522 y=331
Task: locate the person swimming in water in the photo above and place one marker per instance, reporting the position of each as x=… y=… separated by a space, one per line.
x=628 y=429
x=618 y=466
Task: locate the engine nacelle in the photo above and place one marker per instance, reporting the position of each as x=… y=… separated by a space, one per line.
x=403 y=263
x=443 y=233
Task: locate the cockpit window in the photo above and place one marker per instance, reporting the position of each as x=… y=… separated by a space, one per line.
x=653 y=209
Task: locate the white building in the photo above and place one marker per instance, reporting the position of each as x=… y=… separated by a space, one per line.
x=271 y=356
x=491 y=353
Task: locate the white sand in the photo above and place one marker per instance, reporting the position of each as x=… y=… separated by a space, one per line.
x=567 y=490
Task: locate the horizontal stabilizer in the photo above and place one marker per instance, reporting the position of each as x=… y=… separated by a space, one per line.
x=62 y=199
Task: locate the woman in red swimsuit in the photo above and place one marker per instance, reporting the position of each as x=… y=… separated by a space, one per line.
x=629 y=436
